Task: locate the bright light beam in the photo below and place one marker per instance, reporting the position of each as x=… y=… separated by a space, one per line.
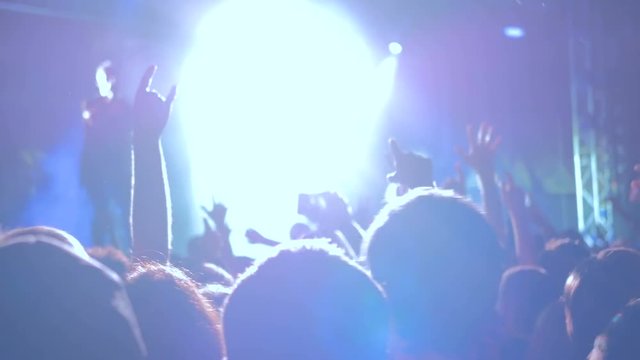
x=514 y=32
x=278 y=98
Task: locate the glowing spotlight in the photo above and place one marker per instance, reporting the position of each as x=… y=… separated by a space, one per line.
x=514 y=32
x=278 y=98
x=395 y=48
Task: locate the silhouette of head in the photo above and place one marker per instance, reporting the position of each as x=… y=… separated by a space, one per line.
x=440 y=264
x=112 y=258
x=176 y=321
x=621 y=339
x=525 y=291
x=58 y=303
x=595 y=291
x=306 y=302
x=560 y=257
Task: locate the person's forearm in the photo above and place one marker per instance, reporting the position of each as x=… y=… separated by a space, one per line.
x=339 y=239
x=525 y=245
x=492 y=204
x=151 y=211
x=353 y=233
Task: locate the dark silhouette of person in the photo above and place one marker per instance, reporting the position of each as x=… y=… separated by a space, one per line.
x=106 y=161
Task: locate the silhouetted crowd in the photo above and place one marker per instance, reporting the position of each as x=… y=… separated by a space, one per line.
x=433 y=277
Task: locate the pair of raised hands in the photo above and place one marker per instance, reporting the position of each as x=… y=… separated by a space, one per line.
x=414 y=170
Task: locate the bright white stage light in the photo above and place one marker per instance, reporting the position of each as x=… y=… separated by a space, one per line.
x=395 y=48
x=514 y=32
x=277 y=98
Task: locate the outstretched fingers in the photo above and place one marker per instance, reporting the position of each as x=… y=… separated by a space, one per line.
x=471 y=135
x=147 y=78
x=145 y=86
x=482 y=134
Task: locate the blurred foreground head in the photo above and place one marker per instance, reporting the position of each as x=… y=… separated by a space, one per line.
x=58 y=303
x=525 y=291
x=176 y=320
x=621 y=339
x=306 y=302
x=595 y=291
x=560 y=257
x=439 y=263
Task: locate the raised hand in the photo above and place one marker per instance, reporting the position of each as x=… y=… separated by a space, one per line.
x=412 y=170
x=151 y=110
x=211 y=244
x=336 y=213
x=482 y=148
x=217 y=214
x=481 y=157
x=515 y=199
x=151 y=208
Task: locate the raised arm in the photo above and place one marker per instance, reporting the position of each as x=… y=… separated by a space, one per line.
x=151 y=209
x=526 y=248
x=218 y=214
x=481 y=157
x=332 y=214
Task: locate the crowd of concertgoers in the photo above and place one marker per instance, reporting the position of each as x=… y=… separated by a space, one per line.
x=433 y=277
